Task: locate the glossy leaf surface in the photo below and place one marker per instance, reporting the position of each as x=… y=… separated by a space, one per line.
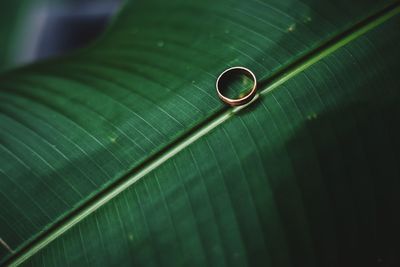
x=288 y=181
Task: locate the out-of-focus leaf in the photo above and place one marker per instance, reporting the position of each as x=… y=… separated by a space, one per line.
x=12 y=15
x=292 y=180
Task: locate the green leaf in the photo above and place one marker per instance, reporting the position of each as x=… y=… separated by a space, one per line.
x=12 y=16
x=122 y=154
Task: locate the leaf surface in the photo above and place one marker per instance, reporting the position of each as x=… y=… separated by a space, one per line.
x=270 y=185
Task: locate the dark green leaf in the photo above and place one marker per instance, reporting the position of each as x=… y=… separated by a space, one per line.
x=305 y=176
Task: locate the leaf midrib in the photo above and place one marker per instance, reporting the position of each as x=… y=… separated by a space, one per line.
x=281 y=76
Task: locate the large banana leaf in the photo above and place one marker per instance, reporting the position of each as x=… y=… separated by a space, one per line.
x=122 y=154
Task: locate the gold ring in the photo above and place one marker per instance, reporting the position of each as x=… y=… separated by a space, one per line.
x=244 y=99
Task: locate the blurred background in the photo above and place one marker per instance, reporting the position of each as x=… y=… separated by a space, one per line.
x=33 y=30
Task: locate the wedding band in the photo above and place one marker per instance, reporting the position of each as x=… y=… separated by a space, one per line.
x=236 y=101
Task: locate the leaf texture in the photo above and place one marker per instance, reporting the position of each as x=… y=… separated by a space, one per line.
x=278 y=184
x=298 y=180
